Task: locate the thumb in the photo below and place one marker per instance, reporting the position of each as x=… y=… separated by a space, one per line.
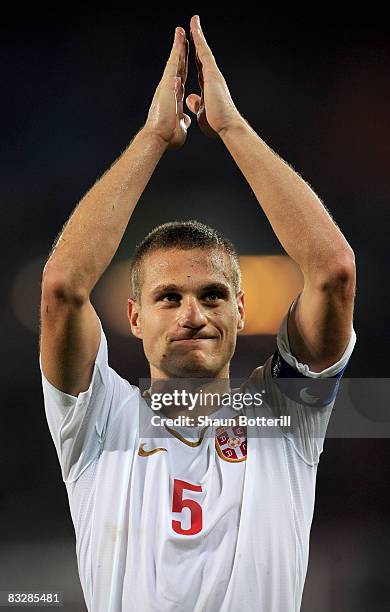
x=187 y=120
x=193 y=103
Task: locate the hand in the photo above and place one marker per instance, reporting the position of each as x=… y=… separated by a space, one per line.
x=166 y=118
x=214 y=108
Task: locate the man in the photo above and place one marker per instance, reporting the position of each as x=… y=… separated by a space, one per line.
x=220 y=522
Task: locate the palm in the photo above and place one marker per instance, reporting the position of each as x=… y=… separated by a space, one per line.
x=166 y=117
x=214 y=106
x=181 y=120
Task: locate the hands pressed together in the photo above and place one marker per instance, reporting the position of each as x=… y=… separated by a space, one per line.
x=214 y=107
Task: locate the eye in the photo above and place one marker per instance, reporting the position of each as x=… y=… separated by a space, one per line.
x=213 y=296
x=175 y=296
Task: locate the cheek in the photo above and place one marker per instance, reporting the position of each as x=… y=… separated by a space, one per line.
x=231 y=318
x=231 y=330
x=153 y=329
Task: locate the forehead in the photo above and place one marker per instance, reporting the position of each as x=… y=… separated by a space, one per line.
x=185 y=266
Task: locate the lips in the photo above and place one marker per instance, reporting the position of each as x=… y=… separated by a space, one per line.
x=193 y=339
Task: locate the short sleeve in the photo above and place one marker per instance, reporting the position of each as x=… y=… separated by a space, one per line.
x=307 y=397
x=297 y=368
x=77 y=424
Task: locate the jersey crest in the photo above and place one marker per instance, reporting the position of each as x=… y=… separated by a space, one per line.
x=231 y=443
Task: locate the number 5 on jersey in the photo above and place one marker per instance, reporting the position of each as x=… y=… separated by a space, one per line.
x=179 y=502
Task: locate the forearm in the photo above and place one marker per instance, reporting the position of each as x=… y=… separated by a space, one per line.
x=93 y=232
x=297 y=216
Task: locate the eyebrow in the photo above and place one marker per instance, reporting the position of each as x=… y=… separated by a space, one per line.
x=171 y=287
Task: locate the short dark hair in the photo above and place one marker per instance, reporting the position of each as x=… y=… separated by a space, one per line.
x=182 y=235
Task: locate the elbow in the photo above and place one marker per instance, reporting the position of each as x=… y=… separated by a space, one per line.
x=57 y=288
x=340 y=274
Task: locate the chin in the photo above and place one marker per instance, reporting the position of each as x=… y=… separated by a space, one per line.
x=193 y=368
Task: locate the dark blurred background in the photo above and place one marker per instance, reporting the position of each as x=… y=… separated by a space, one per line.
x=76 y=87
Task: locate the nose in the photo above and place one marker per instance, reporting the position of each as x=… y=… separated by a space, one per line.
x=191 y=314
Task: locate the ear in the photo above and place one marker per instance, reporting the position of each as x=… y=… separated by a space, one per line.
x=241 y=310
x=133 y=314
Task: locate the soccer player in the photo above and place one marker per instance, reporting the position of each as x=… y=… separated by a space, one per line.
x=194 y=522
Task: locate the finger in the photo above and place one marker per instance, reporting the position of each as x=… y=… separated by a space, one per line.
x=183 y=66
x=182 y=72
x=198 y=63
x=198 y=68
x=202 y=48
x=172 y=65
x=183 y=63
x=187 y=52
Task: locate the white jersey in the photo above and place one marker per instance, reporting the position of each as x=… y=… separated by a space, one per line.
x=218 y=525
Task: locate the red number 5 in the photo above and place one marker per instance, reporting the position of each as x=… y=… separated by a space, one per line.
x=178 y=503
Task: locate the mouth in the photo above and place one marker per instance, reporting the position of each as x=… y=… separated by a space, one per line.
x=191 y=341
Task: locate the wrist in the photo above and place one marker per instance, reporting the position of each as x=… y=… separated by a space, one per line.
x=235 y=126
x=152 y=137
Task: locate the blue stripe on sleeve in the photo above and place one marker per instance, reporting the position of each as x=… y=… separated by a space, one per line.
x=305 y=390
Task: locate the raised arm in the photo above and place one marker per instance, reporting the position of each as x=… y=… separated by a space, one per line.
x=70 y=332
x=320 y=324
